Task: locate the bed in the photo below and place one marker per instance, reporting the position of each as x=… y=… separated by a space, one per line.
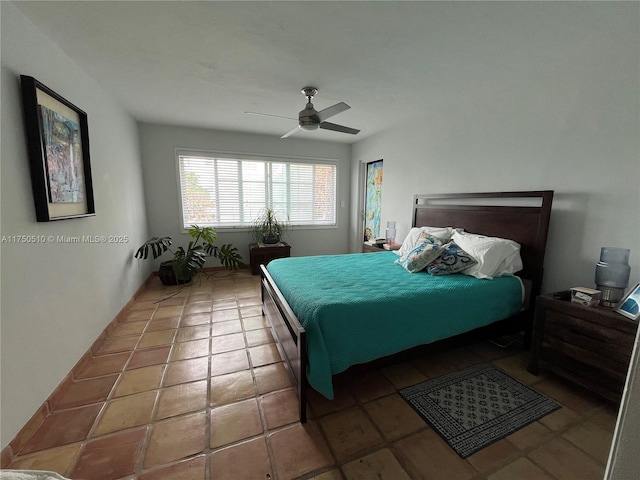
x=375 y=308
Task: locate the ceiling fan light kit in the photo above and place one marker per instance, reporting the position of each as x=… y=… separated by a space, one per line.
x=310 y=119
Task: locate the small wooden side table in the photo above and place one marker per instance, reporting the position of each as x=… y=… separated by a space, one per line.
x=260 y=254
x=590 y=346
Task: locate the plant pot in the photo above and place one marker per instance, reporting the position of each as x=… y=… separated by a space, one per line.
x=168 y=276
x=270 y=239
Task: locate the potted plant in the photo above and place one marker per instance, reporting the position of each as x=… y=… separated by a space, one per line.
x=268 y=227
x=186 y=264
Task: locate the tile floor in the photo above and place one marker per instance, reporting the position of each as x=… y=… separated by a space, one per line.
x=189 y=385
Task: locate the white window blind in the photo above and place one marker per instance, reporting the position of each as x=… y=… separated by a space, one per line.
x=231 y=192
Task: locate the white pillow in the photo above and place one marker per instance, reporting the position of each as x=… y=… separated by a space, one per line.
x=412 y=240
x=495 y=256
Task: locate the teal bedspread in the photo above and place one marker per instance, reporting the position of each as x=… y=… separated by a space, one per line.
x=359 y=307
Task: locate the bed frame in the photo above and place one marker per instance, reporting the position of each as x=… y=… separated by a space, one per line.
x=520 y=216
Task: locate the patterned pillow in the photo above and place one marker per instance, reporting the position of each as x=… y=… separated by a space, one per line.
x=452 y=259
x=422 y=254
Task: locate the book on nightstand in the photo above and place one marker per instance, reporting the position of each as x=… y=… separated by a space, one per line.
x=391 y=246
x=376 y=241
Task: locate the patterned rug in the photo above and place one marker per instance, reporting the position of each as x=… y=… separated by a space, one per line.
x=477 y=406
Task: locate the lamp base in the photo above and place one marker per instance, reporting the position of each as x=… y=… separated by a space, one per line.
x=610 y=296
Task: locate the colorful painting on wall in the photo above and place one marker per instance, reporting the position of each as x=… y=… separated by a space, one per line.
x=373 y=201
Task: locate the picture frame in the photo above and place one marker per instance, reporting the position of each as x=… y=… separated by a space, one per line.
x=58 y=148
x=630 y=304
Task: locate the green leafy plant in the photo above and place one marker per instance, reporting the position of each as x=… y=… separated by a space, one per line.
x=187 y=263
x=269 y=227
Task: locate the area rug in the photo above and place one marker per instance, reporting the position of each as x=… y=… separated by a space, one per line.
x=477 y=406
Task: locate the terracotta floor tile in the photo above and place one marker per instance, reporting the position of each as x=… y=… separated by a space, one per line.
x=371 y=384
x=493 y=455
x=139 y=311
x=194 y=332
x=606 y=417
x=225 y=328
x=403 y=375
x=516 y=366
x=227 y=343
x=234 y=422
x=246 y=460
x=139 y=380
x=186 y=371
x=431 y=367
x=380 y=465
x=255 y=323
x=532 y=435
x=349 y=432
x=264 y=355
x=104 y=365
x=126 y=412
x=192 y=349
x=176 y=438
x=280 y=408
x=183 y=398
x=574 y=397
x=110 y=457
x=200 y=307
x=172 y=302
x=149 y=356
x=192 y=469
x=329 y=475
x=62 y=428
x=251 y=311
x=57 y=459
x=163 y=324
x=229 y=362
x=164 y=312
x=154 y=339
x=252 y=300
x=441 y=462
x=128 y=328
x=566 y=462
x=118 y=344
x=225 y=304
x=591 y=438
x=225 y=315
x=259 y=337
x=86 y=392
x=298 y=450
x=320 y=405
x=522 y=468
x=272 y=377
x=231 y=388
x=196 y=319
x=560 y=419
x=394 y=417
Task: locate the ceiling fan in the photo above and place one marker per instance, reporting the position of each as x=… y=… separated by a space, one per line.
x=310 y=119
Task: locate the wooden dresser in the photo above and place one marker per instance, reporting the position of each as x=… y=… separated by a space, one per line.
x=590 y=346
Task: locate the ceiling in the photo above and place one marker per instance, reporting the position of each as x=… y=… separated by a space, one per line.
x=204 y=64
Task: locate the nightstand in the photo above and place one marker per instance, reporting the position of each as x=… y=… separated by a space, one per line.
x=366 y=248
x=589 y=346
x=262 y=254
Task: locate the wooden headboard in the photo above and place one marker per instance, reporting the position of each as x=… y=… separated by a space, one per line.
x=520 y=216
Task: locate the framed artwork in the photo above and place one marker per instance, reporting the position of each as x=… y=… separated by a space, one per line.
x=373 y=200
x=630 y=304
x=58 y=148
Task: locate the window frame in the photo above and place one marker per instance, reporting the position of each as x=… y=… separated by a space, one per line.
x=233 y=155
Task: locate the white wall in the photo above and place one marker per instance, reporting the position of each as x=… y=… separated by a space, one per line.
x=57 y=298
x=159 y=143
x=569 y=122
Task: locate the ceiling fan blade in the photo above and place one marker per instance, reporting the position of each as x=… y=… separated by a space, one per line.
x=270 y=115
x=338 y=128
x=333 y=110
x=290 y=132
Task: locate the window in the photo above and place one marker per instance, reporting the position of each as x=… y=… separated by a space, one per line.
x=231 y=192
